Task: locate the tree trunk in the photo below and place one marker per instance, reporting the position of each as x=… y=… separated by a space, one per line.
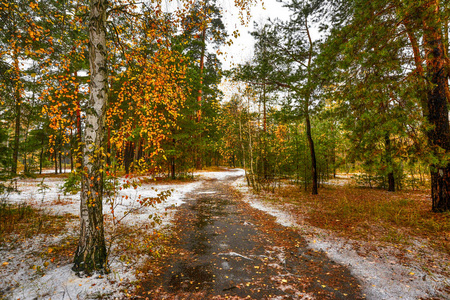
x=79 y=152
x=391 y=180
x=173 y=160
x=202 y=66
x=108 y=147
x=312 y=152
x=55 y=154
x=243 y=162
x=172 y=168
x=41 y=157
x=127 y=156
x=198 y=161
x=437 y=100
x=60 y=162
x=314 y=190
x=18 y=102
x=91 y=253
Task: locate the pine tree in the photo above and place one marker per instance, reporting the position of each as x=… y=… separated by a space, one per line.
x=417 y=33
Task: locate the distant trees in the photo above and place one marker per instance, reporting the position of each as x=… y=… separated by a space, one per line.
x=284 y=63
x=407 y=65
x=141 y=85
x=384 y=93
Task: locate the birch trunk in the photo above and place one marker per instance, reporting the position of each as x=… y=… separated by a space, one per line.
x=91 y=252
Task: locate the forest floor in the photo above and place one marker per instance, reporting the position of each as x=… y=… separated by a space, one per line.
x=218 y=239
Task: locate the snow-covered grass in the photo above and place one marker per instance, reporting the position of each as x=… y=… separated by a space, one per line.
x=382 y=273
x=27 y=274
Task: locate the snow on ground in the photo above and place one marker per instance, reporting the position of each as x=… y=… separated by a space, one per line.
x=220 y=175
x=22 y=265
x=382 y=276
x=55 y=202
x=22 y=271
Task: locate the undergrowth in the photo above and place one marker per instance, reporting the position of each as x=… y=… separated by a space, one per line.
x=372 y=214
x=24 y=221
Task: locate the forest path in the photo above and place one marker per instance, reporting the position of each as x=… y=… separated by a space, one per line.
x=227 y=250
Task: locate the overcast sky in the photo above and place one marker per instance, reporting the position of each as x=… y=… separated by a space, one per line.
x=242 y=48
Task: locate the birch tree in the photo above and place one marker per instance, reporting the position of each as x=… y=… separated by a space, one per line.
x=91 y=252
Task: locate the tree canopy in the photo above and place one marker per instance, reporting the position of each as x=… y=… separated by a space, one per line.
x=123 y=87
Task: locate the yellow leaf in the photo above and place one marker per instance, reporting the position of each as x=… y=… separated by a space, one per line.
x=6 y=263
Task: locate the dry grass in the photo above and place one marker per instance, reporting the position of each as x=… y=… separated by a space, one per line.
x=53 y=175
x=372 y=214
x=214 y=169
x=167 y=180
x=19 y=221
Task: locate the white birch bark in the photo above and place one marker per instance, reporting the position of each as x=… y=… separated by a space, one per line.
x=91 y=252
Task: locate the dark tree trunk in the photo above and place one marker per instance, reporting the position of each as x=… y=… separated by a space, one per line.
x=41 y=157
x=18 y=102
x=127 y=156
x=437 y=101
x=55 y=154
x=173 y=160
x=314 y=189
x=202 y=63
x=108 y=147
x=172 y=168
x=60 y=162
x=16 y=128
x=391 y=180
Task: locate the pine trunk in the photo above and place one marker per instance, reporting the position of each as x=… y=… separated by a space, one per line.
x=18 y=101
x=91 y=253
x=437 y=104
x=312 y=152
x=314 y=190
x=391 y=179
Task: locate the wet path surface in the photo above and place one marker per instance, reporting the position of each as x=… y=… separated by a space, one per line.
x=226 y=249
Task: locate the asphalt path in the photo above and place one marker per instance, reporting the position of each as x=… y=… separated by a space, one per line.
x=227 y=250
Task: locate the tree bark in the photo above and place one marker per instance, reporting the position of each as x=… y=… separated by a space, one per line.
x=91 y=253
x=202 y=66
x=437 y=100
x=314 y=189
x=18 y=103
x=79 y=152
x=391 y=179
x=127 y=156
x=312 y=151
x=55 y=154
